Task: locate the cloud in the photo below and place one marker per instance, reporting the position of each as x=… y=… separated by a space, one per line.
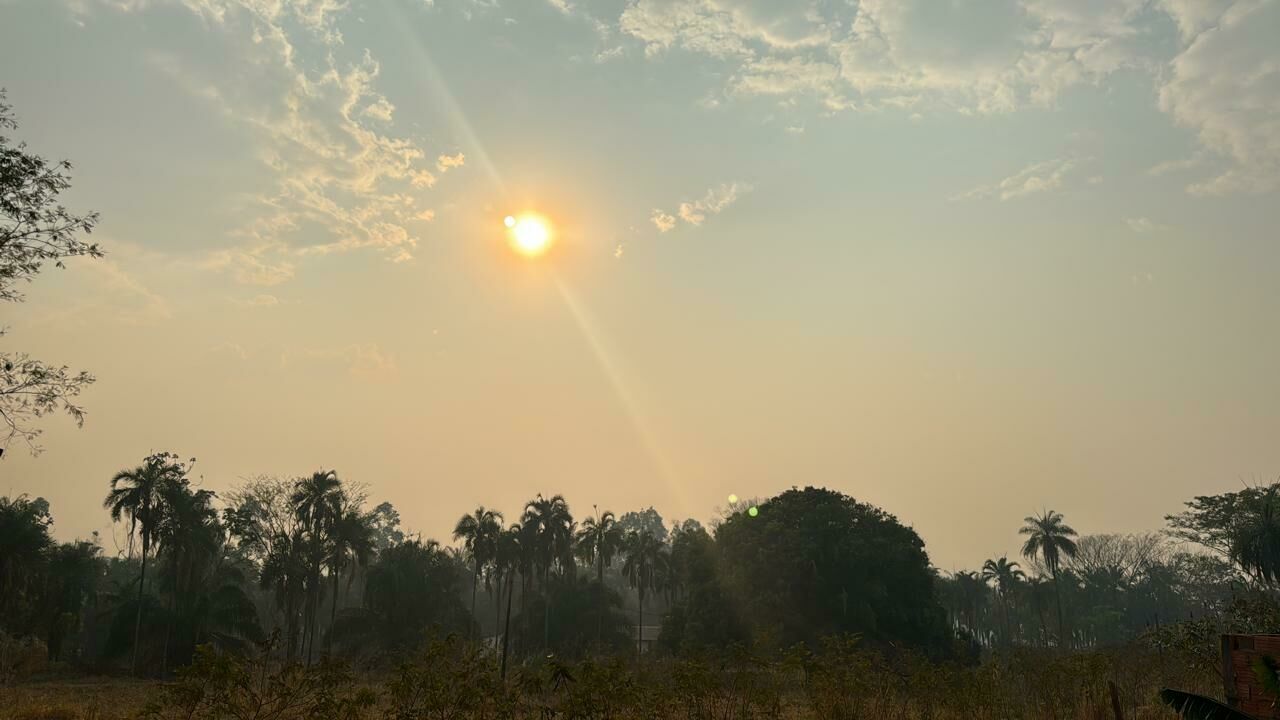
x=445 y=163
x=663 y=221
x=1225 y=86
x=1036 y=178
x=1217 y=76
x=343 y=181
x=1143 y=225
x=695 y=212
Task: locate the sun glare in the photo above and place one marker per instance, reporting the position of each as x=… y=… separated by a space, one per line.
x=529 y=234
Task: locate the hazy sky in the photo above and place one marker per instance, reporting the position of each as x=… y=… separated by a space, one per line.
x=963 y=259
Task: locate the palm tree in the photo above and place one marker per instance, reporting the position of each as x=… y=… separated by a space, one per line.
x=350 y=541
x=1050 y=538
x=598 y=540
x=644 y=555
x=284 y=571
x=317 y=501
x=550 y=525
x=188 y=527
x=1006 y=576
x=479 y=535
x=136 y=494
x=507 y=558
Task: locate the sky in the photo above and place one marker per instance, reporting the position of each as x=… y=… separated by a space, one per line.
x=961 y=259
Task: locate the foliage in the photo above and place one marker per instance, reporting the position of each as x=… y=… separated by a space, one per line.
x=220 y=685
x=35 y=229
x=816 y=563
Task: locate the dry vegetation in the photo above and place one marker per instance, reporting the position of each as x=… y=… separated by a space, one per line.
x=450 y=681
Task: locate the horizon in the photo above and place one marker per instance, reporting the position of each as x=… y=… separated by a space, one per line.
x=961 y=264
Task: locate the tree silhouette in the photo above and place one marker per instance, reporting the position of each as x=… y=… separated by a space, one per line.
x=35 y=229
x=599 y=538
x=550 y=525
x=644 y=555
x=1051 y=539
x=317 y=501
x=479 y=533
x=139 y=495
x=1006 y=576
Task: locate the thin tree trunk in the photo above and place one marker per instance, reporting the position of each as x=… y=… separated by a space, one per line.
x=640 y=627
x=506 y=632
x=333 y=614
x=1057 y=591
x=497 y=607
x=137 y=622
x=173 y=610
x=475 y=579
x=546 y=612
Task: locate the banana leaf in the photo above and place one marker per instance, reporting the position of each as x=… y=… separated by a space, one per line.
x=1198 y=707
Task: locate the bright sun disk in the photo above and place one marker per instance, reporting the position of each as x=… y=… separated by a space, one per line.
x=529 y=234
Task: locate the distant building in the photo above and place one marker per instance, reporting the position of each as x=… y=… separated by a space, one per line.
x=1241 y=654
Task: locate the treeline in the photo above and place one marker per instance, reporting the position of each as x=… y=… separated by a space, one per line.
x=1087 y=591
x=306 y=568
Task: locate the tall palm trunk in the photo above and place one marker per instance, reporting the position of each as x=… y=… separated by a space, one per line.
x=137 y=621
x=640 y=627
x=506 y=632
x=475 y=580
x=1057 y=591
x=546 y=611
x=497 y=606
x=173 y=611
x=333 y=614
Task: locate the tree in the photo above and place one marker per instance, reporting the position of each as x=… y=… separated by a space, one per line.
x=644 y=520
x=34 y=230
x=598 y=540
x=351 y=542
x=643 y=556
x=479 y=533
x=25 y=541
x=550 y=526
x=1006 y=576
x=814 y=562
x=317 y=501
x=1049 y=538
x=705 y=616
x=138 y=495
x=411 y=588
x=187 y=529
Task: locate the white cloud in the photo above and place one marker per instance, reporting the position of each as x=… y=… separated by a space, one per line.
x=695 y=212
x=343 y=182
x=663 y=221
x=445 y=163
x=1036 y=178
x=1226 y=87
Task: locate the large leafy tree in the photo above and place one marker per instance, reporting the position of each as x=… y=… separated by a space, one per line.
x=411 y=589
x=34 y=229
x=705 y=615
x=1051 y=540
x=814 y=562
x=25 y=541
x=138 y=494
x=479 y=533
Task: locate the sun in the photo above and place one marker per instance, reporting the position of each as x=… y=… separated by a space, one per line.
x=530 y=235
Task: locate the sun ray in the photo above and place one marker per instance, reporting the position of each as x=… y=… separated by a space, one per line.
x=644 y=433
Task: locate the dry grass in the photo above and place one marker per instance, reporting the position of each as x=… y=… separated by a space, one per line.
x=87 y=698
